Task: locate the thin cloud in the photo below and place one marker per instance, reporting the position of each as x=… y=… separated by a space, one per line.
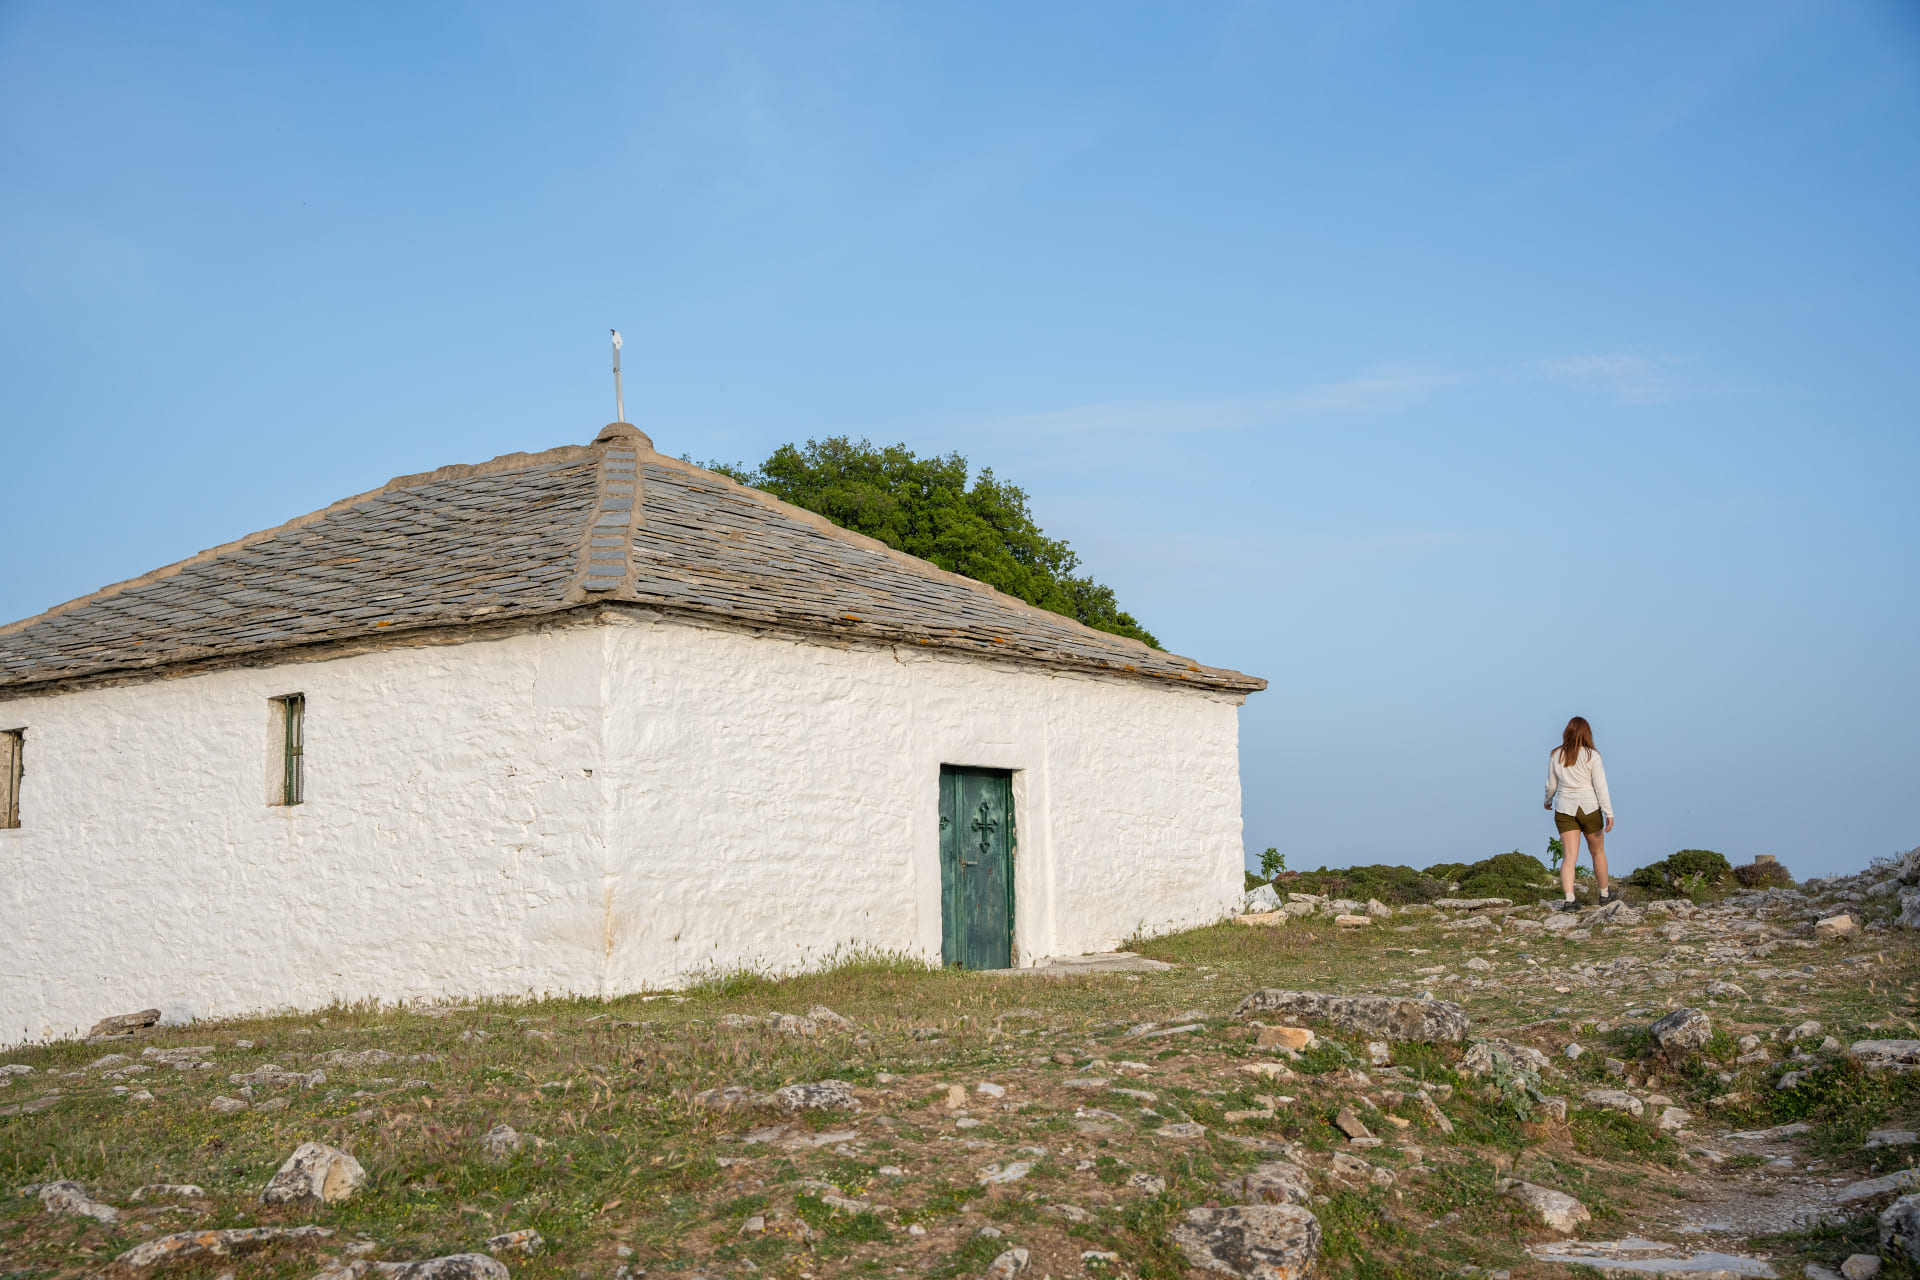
x=1373 y=393
x=1634 y=379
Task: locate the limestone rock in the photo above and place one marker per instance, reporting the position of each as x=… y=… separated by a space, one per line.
x=1861 y=1266
x=829 y=1019
x=1615 y=1100
x=123 y=1024
x=1378 y=909
x=1909 y=917
x=227 y=1106
x=1726 y=991
x=1388 y=1017
x=1351 y=922
x=314 y=1174
x=1435 y=1116
x=1615 y=912
x=1472 y=904
x=1556 y=1210
x=1259 y=1242
x=1834 y=928
x=525 y=1240
x=1682 y=1032
x=993 y=1175
x=170 y=1190
x=1353 y=1171
x=1892 y=1138
x=725 y=1098
x=1673 y=1120
x=1488 y=1057
x=71 y=1198
x=1350 y=1124
x=827 y=1095
x=1854 y=1193
x=1559 y=923
x=1295 y=1038
x=501 y=1141
x=1900 y=1227
x=1007 y=1265
x=1891 y=1055
x=1260 y=901
x=1275 y=1182
x=272 y=1077
x=234 y=1242
x=454 y=1266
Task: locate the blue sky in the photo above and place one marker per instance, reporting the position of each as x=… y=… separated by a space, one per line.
x=1458 y=368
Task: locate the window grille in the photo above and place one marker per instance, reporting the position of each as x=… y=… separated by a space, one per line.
x=13 y=753
x=293 y=741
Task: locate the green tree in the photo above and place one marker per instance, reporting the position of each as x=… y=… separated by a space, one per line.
x=926 y=507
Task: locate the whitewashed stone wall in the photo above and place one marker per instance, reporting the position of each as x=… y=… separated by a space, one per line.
x=594 y=809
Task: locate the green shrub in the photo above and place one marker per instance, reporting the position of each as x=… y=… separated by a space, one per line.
x=1509 y=875
x=1683 y=872
x=1394 y=885
x=1447 y=872
x=1763 y=875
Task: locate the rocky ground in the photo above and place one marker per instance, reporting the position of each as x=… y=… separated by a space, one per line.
x=1720 y=1087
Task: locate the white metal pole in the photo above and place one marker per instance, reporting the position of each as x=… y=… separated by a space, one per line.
x=619 y=401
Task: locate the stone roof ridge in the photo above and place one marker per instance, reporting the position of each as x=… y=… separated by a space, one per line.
x=607 y=544
x=456 y=471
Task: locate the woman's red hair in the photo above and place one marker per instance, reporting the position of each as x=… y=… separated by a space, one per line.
x=1578 y=734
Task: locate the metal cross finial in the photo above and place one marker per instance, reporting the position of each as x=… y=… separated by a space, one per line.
x=619 y=402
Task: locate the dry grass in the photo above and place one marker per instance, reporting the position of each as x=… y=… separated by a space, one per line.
x=619 y=1157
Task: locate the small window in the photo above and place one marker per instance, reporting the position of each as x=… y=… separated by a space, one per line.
x=13 y=759
x=290 y=744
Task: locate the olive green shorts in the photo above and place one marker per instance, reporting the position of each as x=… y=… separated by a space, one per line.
x=1591 y=823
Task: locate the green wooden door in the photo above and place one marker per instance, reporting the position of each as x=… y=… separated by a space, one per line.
x=976 y=867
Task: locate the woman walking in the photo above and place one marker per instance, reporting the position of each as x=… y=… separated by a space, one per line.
x=1577 y=794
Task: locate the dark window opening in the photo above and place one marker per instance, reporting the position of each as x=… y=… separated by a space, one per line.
x=293 y=737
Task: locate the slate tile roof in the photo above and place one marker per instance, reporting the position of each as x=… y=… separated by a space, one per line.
x=535 y=534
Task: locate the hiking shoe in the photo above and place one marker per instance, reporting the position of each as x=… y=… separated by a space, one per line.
x=1566 y=906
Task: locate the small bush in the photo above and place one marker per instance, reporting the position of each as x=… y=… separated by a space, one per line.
x=1683 y=872
x=1763 y=875
x=1509 y=875
x=1393 y=885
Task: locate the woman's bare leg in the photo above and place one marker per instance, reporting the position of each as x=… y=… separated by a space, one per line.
x=1597 y=846
x=1571 y=840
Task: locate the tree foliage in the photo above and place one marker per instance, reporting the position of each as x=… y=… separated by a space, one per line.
x=926 y=507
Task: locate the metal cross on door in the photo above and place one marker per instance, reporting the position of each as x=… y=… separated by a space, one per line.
x=976 y=867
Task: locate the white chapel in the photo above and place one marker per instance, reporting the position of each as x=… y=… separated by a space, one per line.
x=591 y=721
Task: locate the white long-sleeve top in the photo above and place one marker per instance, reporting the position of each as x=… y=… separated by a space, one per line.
x=1581 y=785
